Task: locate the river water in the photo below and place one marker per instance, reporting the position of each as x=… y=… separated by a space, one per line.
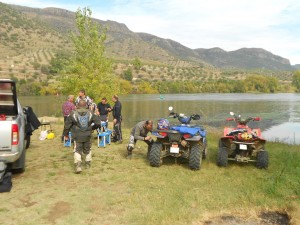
x=280 y=113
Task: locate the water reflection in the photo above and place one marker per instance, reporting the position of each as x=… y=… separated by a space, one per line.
x=286 y=132
x=276 y=110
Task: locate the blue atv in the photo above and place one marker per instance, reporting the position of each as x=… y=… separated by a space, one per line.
x=183 y=140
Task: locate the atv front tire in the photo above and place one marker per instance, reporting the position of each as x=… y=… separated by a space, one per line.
x=195 y=158
x=155 y=154
x=262 y=161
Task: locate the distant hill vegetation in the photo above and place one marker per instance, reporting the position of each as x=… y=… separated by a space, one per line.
x=30 y=38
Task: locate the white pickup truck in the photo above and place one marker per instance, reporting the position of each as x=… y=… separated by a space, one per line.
x=13 y=137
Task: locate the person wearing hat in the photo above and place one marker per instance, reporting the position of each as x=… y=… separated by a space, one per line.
x=82 y=122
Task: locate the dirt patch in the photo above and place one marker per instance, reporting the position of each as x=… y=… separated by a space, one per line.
x=59 y=210
x=275 y=218
x=265 y=218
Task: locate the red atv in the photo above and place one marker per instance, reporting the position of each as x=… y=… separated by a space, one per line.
x=242 y=144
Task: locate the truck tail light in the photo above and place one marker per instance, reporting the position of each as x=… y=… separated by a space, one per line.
x=15 y=134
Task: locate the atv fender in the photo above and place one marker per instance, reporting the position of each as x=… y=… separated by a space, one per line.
x=225 y=141
x=158 y=134
x=194 y=138
x=227 y=130
x=261 y=143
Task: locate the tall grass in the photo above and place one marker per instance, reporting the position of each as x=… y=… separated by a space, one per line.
x=120 y=191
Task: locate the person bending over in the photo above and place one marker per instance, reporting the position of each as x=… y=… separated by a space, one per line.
x=139 y=132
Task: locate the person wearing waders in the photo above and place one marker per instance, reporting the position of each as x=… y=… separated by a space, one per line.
x=116 y=112
x=139 y=132
x=82 y=122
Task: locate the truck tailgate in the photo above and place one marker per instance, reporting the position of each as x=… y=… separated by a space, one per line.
x=5 y=135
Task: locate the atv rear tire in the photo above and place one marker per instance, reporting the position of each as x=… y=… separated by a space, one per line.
x=222 y=159
x=195 y=158
x=262 y=161
x=155 y=154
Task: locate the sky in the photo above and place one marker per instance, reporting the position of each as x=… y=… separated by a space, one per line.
x=273 y=25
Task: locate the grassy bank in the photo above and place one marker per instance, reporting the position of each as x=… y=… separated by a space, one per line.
x=120 y=191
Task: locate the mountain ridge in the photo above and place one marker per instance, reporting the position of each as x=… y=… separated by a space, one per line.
x=123 y=43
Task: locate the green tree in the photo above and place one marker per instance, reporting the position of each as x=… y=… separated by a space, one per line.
x=59 y=62
x=259 y=83
x=296 y=80
x=127 y=74
x=145 y=88
x=45 y=69
x=137 y=63
x=88 y=67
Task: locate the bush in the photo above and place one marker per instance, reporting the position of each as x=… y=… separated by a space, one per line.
x=45 y=69
x=127 y=75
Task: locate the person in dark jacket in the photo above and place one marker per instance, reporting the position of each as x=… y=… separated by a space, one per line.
x=103 y=111
x=33 y=122
x=116 y=112
x=82 y=121
x=139 y=132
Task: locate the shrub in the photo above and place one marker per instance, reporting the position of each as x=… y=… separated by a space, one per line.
x=127 y=74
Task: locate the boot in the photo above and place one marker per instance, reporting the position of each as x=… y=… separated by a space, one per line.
x=88 y=164
x=78 y=168
x=129 y=154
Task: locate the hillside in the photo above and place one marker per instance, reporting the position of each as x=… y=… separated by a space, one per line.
x=247 y=58
x=31 y=36
x=25 y=43
x=121 y=42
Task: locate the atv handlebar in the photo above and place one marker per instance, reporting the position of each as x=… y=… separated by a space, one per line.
x=239 y=120
x=176 y=115
x=183 y=118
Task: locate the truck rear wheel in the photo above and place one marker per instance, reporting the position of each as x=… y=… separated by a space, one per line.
x=19 y=165
x=195 y=158
x=155 y=154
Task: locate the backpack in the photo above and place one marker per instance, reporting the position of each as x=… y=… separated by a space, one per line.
x=163 y=124
x=83 y=121
x=5 y=179
x=6 y=183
